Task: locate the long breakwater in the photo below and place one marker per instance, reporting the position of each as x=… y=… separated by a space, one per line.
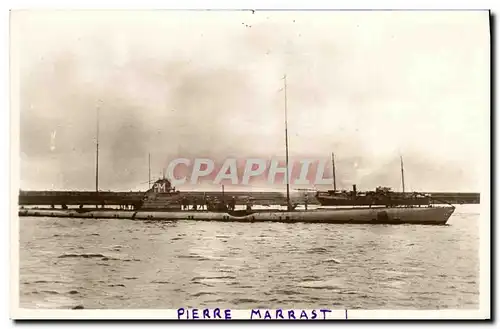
x=57 y=198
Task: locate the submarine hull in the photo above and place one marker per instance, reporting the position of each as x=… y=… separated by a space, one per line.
x=427 y=215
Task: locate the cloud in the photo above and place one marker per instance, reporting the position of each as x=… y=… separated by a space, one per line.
x=368 y=87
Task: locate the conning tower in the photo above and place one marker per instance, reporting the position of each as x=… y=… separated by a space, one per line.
x=162 y=196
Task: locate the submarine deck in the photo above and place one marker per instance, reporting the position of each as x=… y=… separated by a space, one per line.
x=396 y=215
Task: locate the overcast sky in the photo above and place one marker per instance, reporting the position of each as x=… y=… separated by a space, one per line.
x=369 y=86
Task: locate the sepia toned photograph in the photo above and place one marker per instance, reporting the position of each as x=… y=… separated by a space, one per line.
x=250 y=164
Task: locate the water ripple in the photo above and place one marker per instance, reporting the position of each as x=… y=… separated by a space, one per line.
x=65 y=263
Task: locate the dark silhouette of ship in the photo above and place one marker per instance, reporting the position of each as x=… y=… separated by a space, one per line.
x=382 y=196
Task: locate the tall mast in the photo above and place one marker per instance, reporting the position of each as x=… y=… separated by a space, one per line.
x=286 y=148
x=97 y=153
x=402 y=174
x=149 y=170
x=333 y=169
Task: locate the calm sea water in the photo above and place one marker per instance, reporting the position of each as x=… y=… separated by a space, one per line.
x=112 y=264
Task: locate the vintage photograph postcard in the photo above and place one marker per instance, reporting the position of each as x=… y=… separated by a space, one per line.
x=250 y=164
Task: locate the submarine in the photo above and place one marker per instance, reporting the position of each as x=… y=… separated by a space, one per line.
x=163 y=202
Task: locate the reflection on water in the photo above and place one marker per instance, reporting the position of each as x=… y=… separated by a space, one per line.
x=116 y=264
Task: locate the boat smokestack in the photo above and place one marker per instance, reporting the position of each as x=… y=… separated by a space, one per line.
x=354 y=190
